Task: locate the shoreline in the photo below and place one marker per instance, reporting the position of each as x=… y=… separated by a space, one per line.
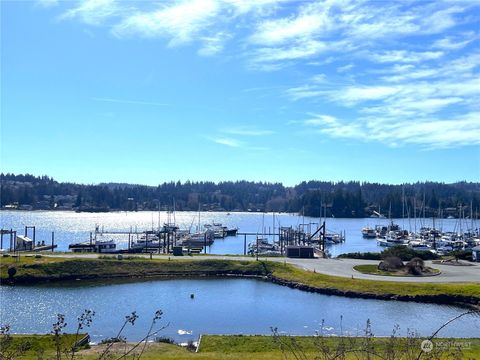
x=60 y=270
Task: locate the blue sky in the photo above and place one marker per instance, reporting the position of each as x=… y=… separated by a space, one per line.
x=146 y=92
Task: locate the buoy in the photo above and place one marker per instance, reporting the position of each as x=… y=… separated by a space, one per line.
x=192 y=296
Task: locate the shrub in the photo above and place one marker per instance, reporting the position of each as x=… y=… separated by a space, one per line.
x=362 y=256
x=12 y=270
x=406 y=254
x=164 y=339
x=461 y=255
x=391 y=263
x=415 y=266
x=111 y=340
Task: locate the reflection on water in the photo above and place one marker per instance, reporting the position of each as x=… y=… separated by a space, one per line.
x=219 y=306
x=71 y=227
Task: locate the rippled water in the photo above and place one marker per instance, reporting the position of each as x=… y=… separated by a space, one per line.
x=71 y=227
x=229 y=306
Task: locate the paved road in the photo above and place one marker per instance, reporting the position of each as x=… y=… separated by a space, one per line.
x=341 y=267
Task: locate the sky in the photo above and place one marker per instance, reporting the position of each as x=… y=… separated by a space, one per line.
x=279 y=91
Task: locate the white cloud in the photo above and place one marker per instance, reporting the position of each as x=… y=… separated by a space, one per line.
x=430 y=133
x=449 y=43
x=399 y=56
x=355 y=94
x=180 y=22
x=304 y=49
x=273 y=32
x=227 y=142
x=213 y=44
x=94 y=12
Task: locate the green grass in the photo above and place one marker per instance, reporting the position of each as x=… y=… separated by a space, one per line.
x=321 y=281
x=374 y=270
x=266 y=347
x=263 y=347
x=31 y=270
x=33 y=345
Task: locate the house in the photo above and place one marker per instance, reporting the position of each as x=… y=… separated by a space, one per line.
x=23 y=243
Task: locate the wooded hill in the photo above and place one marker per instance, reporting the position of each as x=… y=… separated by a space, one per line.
x=338 y=199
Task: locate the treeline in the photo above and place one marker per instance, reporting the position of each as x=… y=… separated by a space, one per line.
x=338 y=199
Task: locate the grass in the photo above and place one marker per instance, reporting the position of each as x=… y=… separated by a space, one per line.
x=374 y=270
x=264 y=347
x=34 y=345
x=31 y=270
x=374 y=287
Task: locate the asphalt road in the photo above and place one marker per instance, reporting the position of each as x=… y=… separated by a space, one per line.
x=339 y=267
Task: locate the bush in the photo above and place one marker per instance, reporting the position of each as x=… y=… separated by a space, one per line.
x=461 y=255
x=12 y=270
x=120 y=339
x=406 y=254
x=362 y=256
x=403 y=252
x=391 y=263
x=415 y=266
x=164 y=339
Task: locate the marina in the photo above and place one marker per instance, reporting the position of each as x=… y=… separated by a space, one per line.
x=235 y=233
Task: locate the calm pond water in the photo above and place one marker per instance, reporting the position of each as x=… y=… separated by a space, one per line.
x=220 y=306
x=71 y=227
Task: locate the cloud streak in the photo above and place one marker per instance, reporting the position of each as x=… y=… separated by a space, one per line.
x=132 y=102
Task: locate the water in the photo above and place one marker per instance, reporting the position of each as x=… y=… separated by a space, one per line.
x=220 y=306
x=71 y=227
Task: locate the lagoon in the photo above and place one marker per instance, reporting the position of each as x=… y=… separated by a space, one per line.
x=219 y=306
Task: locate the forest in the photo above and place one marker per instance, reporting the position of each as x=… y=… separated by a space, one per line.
x=311 y=198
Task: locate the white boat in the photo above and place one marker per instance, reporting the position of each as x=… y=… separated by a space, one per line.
x=98 y=246
x=369 y=233
x=419 y=246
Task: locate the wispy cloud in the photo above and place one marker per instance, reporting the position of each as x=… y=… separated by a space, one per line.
x=391 y=66
x=95 y=12
x=430 y=133
x=213 y=44
x=180 y=22
x=227 y=142
x=133 y=102
x=247 y=131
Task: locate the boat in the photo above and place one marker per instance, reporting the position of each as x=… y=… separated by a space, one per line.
x=97 y=246
x=369 y=233
x=230 y=232
x=199 y=239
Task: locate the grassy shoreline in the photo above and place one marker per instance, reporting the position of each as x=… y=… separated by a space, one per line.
x=30 y=270
x=261 y=347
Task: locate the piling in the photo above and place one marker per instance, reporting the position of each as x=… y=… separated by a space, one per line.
x=244 y=244
x=53 y=241
x=205 y=243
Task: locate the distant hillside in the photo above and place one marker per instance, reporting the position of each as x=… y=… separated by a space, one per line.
x=338 y=199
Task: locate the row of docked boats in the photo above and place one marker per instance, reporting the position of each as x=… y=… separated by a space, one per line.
x=157 y=240
x=262 y=246
x=427 y=239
